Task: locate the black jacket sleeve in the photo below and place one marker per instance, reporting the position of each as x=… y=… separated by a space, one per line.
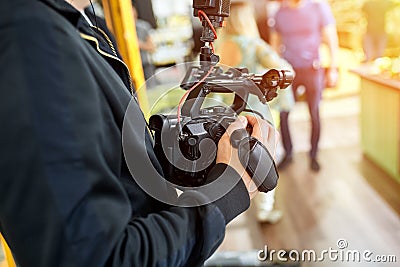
x=61 y=199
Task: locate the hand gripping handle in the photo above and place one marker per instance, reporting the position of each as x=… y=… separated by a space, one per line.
x=256 y=159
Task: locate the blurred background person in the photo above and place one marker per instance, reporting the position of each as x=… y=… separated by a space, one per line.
x=261 y=15
x=240 y=45
x=375 y=37
x=146 y=46
x=300 y=26
x=145 y=11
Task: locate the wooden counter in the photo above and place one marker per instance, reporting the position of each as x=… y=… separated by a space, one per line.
x=380 y=120
x=367 y=72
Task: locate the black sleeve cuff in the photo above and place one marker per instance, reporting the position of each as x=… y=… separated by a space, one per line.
x=237 y=200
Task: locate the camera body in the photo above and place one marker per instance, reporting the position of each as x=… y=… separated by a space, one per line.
x=188 y=153
x=186 y=147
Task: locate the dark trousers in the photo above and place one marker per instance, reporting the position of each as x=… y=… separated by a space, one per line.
x=312 y=80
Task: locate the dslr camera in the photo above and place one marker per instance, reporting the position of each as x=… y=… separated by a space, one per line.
x=186 y=142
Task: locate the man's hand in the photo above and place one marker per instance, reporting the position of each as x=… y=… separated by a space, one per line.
x=262 y=130
x=332 y=77
x=265 y=133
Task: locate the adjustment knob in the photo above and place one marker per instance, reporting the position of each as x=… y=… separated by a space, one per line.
x=192 y=141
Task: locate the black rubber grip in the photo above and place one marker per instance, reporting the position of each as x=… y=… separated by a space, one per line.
x=258 y=163
x=237 y=136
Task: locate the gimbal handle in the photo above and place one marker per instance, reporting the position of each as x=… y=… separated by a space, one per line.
x=195 y=99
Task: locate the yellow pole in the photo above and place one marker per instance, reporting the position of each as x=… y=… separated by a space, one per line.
x=7 y=253
x=119 y=17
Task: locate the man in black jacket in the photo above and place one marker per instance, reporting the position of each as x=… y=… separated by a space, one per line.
x=67 y=197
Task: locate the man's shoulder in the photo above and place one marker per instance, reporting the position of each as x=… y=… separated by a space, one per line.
x=321 y=7
x=35 y=15
x=318 y=2
x=14 y=12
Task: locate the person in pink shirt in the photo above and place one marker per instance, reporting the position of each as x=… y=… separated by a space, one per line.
x=300 y=27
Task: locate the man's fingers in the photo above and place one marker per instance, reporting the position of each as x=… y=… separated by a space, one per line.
x=264 y=132
x=254 y=123
x=251 y=119
x=261 y=128
x=240 y=123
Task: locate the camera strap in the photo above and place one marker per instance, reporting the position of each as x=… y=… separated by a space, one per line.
x=258 y=163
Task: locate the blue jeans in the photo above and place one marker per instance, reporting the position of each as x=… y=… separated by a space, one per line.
x=312 y=80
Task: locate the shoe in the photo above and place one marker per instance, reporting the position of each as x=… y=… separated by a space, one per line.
x=287 y=159
x=314 y=165
x=271 y=217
